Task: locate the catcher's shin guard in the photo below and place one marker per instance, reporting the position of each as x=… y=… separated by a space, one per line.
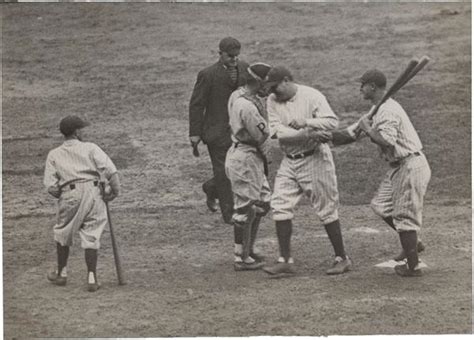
x=243 y=218
x=253 y=231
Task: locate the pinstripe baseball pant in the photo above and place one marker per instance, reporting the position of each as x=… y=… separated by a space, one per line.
x=313 y=176
x=83 y=210
x=401 y=193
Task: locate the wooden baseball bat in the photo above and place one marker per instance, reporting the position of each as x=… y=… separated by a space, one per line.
x=341 y=137
x=401 y=80
x=118 y=262
x=195 y=150
x=422 y=63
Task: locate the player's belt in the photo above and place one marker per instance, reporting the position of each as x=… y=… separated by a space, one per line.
x=301 y=155
x=260 y=153
x=398 y=162
x=73 y=185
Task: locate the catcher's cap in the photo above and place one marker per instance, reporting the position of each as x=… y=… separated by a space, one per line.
x=258 y=71
x=230 y=45
x=69 y=124
x=276 y=75
x=373 y=76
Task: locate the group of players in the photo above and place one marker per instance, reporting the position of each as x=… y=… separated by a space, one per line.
x=236 y=109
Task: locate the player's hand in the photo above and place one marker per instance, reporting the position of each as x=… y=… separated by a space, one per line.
x=54 y=191
x=194 y=140
x=365 y=124
x=298 y=123
x=109 y=197
x=320 y=136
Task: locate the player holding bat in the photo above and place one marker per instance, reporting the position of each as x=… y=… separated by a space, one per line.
x=399 y=198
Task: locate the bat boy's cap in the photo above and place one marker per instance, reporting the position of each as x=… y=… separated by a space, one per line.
x=277 y=74
x=373 y=76
x=69 y=124
x=230 y=45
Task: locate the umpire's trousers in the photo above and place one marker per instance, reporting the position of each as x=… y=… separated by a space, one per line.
x=219 y=186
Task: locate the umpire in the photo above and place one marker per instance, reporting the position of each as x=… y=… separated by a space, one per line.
x=209 y=120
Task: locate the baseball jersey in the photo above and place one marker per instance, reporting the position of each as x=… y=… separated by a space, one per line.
x=247 y=124
x=392 y=122
x=309 y=104
x=76 y=161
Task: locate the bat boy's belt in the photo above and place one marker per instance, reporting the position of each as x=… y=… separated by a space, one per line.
x=398 y=162
x=72 y=186
x=301 y=155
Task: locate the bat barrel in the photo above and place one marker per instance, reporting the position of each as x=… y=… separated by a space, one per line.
x=117 y=260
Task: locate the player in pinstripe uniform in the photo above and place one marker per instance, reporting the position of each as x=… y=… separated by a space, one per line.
x=399 y=199
x=72 y=174
x=245 y=163
x=301 y=118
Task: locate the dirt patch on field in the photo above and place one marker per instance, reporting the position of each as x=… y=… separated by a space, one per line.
x=130 y=69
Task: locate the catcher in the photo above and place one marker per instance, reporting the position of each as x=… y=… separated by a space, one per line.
x=72 y=174
x=246 y=164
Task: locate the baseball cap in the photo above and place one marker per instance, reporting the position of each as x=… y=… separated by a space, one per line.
x=229 y=45
x=258 y=70
x=69 y=124
x=277 y=74
x=373 y=76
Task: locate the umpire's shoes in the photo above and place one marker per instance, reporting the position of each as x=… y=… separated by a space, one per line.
x=280 y=269
x=57 y=279
x=404 y=271
x=402 y=256
x=340 y=266
x=211 y=202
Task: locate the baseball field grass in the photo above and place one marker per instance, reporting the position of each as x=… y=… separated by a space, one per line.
x=130 y=69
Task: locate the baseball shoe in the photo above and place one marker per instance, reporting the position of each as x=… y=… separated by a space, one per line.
x=93 y=287
x=404 y=271
x=402 y=256
x=56 y=279
x=280 y=269
x=257 y=257
x=242 y=266
x=340 y=266
x=211 y=202
x=92 y=284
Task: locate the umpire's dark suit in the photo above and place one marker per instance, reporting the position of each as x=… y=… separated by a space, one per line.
x=209 y=119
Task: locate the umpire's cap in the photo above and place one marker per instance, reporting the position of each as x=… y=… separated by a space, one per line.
x=373 y=76
x=69 y=124
x=230 y=45
x=276 y=75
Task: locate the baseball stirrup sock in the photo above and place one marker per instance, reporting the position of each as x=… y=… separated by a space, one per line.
x=91 y=259
x=237 y=235
x=409 y=241
x=333 y=230
x=63 y=255
x=284 y=230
